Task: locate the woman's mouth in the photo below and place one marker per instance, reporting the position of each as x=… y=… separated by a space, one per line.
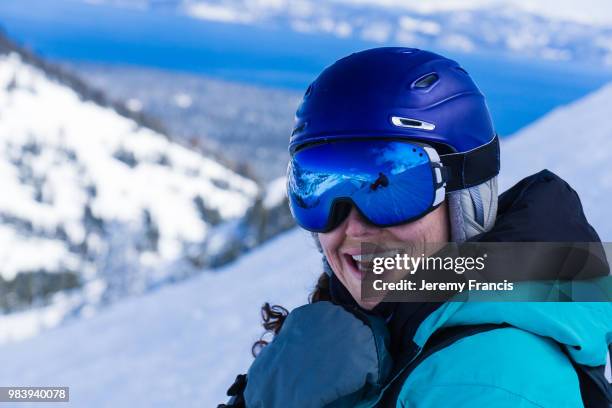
x=355 y=265
x=359 y=264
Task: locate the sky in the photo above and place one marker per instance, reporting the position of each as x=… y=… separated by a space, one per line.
x=586 y=11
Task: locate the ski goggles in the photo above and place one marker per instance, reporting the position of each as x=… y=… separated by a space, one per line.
x=390 y=182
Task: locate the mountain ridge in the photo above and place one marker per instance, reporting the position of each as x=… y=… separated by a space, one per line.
x=78 y=193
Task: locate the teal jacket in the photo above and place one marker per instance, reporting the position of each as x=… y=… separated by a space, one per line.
x=325 y=356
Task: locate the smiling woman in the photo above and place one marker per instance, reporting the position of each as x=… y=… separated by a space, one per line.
x=344 y=350
x=345 y=241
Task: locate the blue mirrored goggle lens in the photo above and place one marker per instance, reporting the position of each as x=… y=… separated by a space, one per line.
x=390 y=182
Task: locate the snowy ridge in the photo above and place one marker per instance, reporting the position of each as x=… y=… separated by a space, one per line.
x=230 y=117
x=575 y=142
x=99 y=199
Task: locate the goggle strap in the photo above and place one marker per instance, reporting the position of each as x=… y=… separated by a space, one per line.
x=465 y=170
x=442 y=174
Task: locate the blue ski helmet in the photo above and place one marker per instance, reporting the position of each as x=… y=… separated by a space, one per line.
x=433 y=99
x=406 y=94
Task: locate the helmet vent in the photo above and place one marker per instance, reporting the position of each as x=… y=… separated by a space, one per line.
x=298 y=128
x=308 y=91
x=426 y=81
x=412 y=123
x=460 y=69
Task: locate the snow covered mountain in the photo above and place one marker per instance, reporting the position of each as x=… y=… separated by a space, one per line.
x=183 y=345
x=575 y=142
x=247 y=123
x=551 y=30
x=95 y=200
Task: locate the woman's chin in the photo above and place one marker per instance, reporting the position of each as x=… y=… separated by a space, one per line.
x=355 y=291
x=368 y=304
x=352 y=279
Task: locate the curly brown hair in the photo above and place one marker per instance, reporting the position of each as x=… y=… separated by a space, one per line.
x=273 y=316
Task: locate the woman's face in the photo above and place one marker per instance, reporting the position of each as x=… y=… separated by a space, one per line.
x=342 y=243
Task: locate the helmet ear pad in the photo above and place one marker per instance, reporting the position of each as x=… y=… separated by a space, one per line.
x=473 y=210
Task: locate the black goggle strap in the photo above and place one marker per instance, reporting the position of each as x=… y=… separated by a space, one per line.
x=464 y=170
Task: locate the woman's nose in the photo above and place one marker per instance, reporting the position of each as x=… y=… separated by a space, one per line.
x=357 y=226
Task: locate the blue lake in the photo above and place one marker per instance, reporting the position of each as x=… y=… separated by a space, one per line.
x=518 y=90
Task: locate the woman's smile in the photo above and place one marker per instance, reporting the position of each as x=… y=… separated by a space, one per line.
x=343 y=246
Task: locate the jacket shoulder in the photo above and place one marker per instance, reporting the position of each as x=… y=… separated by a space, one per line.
x=322 y=355
x=502 y=367
x=541 y=207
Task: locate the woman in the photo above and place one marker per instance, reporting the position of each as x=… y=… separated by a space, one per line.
x=397 y=145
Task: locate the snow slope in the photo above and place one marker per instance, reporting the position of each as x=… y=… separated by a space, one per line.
x=575 y=142
x=181 y=346
x=91 y=197
x=72 y=147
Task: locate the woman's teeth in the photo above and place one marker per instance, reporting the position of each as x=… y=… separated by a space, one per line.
x=358 y=258
x=370 y=257
x=361 y=262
